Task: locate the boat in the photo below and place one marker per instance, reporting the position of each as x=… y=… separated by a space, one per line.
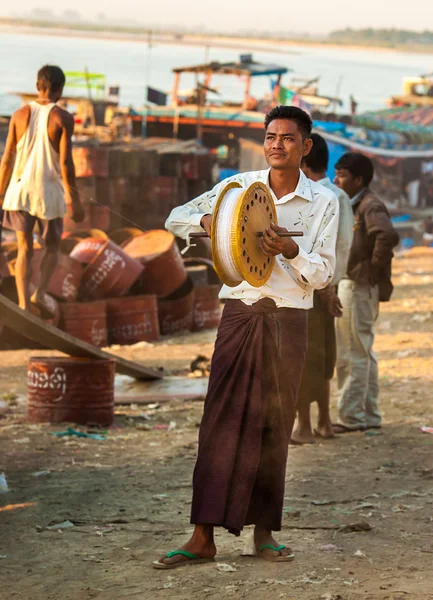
x=213 y=121
x=417 y=91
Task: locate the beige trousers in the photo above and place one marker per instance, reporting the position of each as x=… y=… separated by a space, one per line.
x=357 y=372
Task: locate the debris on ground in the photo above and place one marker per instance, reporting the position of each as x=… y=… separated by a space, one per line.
x=226 y=568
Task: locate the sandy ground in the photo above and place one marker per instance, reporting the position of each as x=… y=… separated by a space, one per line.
x=128 y=497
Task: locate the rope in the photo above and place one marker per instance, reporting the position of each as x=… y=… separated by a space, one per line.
x=223 y=232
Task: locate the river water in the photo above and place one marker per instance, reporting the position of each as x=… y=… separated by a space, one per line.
x=370 y=75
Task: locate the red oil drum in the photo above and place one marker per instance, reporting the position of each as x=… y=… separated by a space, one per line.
x=86 y=250
x=122 y=236
x=67 y=244
x=77 y=390
x=207 y=309
x=66 y=280
x=86 y=321
x=111 y=273
x=176 y=312
x=198 y=275
x=89 y=233
x=132 y=319
x=165 y=271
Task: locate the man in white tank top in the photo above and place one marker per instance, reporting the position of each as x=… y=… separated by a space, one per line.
x=37 y=183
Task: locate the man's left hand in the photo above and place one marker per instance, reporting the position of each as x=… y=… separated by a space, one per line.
x=273 y=244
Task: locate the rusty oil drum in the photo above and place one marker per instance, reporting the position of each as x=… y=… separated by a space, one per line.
x=121 y=237
x=207 y=309
x=65 y=282
x=86 y=321
x=86 y=250
x=77 y=390
x=176 y=312
x=132 y=319
x=164 y=271
x=111 y=273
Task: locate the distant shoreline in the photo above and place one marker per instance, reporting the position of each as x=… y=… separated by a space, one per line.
x=235 y=43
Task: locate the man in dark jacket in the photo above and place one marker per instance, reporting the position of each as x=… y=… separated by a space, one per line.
x=367 y=283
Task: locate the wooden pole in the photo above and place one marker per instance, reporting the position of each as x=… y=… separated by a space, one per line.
x=174 y=93
x=92 y=108
x=277 y=89
x=247 y=91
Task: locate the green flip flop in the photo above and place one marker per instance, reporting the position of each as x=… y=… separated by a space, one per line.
x=280 y=558
x=193 y=559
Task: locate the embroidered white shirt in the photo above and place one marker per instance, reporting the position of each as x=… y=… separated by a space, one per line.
x=311 y=208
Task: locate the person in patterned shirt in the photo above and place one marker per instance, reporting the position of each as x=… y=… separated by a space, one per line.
x=260 y=349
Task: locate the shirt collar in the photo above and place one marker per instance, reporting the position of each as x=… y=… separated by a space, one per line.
x=303 y=189
x=324 y=181
x=356 y=196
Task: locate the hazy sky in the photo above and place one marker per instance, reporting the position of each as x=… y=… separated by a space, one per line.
x=314 y=16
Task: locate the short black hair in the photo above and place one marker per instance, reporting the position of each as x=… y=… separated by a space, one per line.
x=291 y=113
x=318 y=157
x=51 y=78
x=358 y=165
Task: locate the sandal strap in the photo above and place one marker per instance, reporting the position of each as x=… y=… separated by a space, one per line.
x=270 y=547
x=182 y=553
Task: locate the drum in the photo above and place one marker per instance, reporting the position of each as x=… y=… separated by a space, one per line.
x=241 y=215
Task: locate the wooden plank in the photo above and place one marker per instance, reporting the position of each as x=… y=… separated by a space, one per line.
x=51 y=337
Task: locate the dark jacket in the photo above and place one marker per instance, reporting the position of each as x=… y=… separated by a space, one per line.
x=374 y=237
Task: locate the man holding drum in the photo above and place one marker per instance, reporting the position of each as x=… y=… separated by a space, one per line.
x=260 y=349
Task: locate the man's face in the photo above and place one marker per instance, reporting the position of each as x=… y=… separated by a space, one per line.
x=284 y=145
x=347 y=182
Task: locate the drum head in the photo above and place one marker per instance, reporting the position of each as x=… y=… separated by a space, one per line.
x=256 y=214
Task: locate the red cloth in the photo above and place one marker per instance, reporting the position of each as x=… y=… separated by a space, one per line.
x=248 y=416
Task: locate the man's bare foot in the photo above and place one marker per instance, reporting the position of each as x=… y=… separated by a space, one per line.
x=201 y=544
x=324 y=430
x=302 y=435
x=42 y=302
x=264 y=536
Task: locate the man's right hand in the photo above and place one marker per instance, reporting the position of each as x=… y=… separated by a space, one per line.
x=76 y=211
x=206 y=223
x=332 y=301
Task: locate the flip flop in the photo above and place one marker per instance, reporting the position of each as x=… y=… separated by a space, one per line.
x=193 y=559
x=283 y=558
x=340 y=428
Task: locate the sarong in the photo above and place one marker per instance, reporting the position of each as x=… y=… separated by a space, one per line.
x=248 y=418
x=321 y=355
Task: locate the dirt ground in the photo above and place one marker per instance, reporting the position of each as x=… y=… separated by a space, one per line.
x=128 y=496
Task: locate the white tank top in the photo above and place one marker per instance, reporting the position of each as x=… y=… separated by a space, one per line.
x=36 y=186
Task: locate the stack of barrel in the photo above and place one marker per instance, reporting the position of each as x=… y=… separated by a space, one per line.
x=129 y=287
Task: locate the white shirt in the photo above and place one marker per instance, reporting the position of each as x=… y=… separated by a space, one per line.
x=345 y=230
x=311 y=208
x=36 y=185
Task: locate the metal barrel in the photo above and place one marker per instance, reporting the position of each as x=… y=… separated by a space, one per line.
x=176 y=312
x=122 y=236
x=86 y=320
x=132 y=319
x=164 y=268
x=207 y=307
x=65 y=282
x=111 y=273
x=198 y=275
x=86 y=250
x=77 y=390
